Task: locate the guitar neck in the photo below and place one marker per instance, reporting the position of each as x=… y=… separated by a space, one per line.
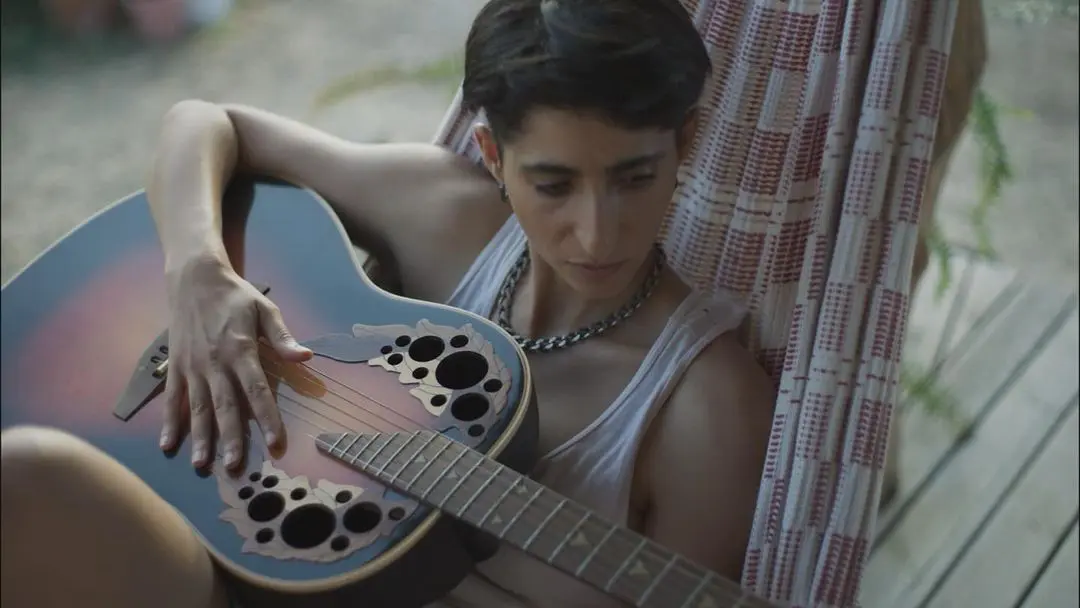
x=469 y=486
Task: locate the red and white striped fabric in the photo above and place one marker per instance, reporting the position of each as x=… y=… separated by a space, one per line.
x=802 y=197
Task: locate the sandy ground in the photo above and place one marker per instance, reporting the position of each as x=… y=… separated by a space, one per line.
x=79 y=120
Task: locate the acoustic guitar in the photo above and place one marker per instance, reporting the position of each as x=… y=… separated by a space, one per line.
x=409 y=410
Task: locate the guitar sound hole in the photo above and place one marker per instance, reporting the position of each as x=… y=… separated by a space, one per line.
x=461 y=370
x=266 y=507
x=426 y=349
x=308 y=526
x=340 y=543
x=264 y=536
x=270 y=481
x=469 y=407
x=396 y=514
x=362 y=517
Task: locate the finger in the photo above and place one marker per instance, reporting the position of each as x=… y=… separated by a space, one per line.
x=281 y=339
x=174 y=410
x=261 y=398
x=230 y=423
x=202 y=421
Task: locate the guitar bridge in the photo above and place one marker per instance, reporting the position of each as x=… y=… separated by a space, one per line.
x=148 y=379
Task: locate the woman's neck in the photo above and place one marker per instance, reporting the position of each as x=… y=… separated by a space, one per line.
x=545 y=305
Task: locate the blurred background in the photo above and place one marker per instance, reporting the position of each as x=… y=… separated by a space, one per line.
x=986 y=509
x=85 y=83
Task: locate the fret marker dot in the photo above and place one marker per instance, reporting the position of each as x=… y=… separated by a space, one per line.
x=639 y=570
x=451 y=475
x=579 y=541
x=707 y=602
x=495 y=519
x=419 y=459
x=521 y=489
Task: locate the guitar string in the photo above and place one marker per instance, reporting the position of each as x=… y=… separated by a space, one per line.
x=497 y=483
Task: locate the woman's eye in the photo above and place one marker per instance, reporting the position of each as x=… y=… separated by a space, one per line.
x=642 y=180
x=556 y=189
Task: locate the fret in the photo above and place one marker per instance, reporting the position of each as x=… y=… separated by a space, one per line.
x=438 y=480
x=391 y=457
x=479 y=491
x=419 y=451
x=626 y=564
x=596 y=549
x=698 y=591
x=498 y=502
x=532 y=537
x=355 y=438
x=427 y=465
x=566 y=539
x=644 y=597
x=353 y=458
x=386 y=444
x=468 y=474
x=341 y=438
x=525 y=507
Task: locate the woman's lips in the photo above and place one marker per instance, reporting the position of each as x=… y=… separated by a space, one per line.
x=598 y=270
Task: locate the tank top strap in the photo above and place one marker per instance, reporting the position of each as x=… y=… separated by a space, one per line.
x=477 y=290
x=699 y=321
x=596 y=465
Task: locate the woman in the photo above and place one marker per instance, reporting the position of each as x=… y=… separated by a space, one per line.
x=590 y=108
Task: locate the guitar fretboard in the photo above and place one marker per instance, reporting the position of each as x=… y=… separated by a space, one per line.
x=469 y=486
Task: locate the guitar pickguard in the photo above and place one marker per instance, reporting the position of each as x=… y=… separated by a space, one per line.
x=453 y=372
x=461 y=385
x=287 y=518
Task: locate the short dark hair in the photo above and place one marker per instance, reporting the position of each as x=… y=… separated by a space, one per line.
x=636 y=63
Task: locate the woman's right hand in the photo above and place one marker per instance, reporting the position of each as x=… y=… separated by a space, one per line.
x=214 y=368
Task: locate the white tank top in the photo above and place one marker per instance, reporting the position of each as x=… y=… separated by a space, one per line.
x=596 y=466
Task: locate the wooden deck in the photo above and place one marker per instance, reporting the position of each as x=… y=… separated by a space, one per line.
x=987 y=510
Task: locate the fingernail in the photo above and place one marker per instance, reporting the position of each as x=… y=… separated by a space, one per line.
x=166 y=439
x=198 y=456
x=271 y=438
x=232 y=455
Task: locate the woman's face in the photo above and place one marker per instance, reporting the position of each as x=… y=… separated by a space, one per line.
x=590 y=196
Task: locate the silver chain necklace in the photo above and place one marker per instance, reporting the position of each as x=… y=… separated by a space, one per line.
x=505 y=300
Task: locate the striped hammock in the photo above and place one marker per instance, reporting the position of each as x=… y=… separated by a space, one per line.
x=802 y=197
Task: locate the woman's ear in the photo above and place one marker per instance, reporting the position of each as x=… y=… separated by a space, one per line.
x=684 y=139
x=489 y=150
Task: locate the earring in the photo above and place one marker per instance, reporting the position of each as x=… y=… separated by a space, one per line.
x=502 y=193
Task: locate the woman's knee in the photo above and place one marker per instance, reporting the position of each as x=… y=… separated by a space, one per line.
x=26 y=452
x=31 y=453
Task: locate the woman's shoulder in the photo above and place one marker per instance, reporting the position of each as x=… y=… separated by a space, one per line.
x=459 y=212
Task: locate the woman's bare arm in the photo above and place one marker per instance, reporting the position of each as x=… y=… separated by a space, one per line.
x=411 y=200
x=393 y=197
